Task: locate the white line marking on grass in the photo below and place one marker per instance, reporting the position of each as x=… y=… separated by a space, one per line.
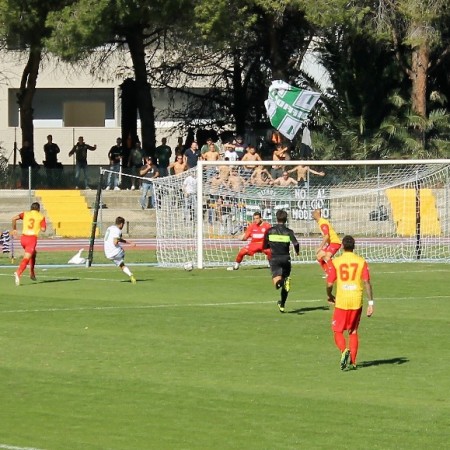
x=12 y=447
x=190 y=305
x=124 y=307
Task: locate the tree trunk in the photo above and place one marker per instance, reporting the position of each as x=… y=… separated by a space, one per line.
x=146 y=109
x=240 y=97
x=276 y=60
x=419 y=74
x=26 y=94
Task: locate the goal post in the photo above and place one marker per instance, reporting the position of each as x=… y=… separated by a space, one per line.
x=397 y=210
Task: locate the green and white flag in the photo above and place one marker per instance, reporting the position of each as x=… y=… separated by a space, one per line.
x=288 y=107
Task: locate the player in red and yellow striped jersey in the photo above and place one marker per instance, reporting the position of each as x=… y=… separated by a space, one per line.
x=33 y=223
x=330 y=243
x=351 y=274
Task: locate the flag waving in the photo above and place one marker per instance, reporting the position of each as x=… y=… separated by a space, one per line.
x=288 y=107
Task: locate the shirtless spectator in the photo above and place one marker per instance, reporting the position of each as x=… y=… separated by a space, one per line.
x=251 y=155
x=260 y=177
x=211 y=154
x=285 y=181
x=207 y=147
x=235 y=182
x=224 y=173
x=281 y=153
x=302 y=173
x=216 y=185
x=178 y=166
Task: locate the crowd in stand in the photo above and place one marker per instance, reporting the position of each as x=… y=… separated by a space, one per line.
x=141 y=168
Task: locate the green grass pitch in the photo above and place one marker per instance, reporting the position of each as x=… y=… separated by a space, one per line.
x=204 y=360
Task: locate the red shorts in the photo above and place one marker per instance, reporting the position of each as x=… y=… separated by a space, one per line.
x=346 y=319
x=332 y=248
x=28 y=243
x=258 y=248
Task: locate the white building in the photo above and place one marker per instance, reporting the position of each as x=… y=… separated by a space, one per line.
x=70 y=102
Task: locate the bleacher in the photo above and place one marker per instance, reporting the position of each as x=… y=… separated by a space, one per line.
x=66 y=224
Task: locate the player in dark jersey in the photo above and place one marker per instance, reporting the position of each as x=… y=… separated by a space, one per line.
x=278 y=239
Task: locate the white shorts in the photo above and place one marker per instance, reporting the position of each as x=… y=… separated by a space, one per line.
x=118 y=258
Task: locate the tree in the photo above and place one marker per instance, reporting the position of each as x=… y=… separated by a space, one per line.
x=377 y=55
x=135 y=26
x=24 y=27
x=237 y=48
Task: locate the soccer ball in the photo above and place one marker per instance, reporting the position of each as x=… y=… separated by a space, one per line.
x=188 y=266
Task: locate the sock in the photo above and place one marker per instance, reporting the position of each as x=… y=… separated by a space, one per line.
x=323 y=264
x=127 y=271
x=22 y=266
x=354 y=344
x=279 y=283
x=32 y=263
x=240 y=256
x=284 y=296
x=328 y=266
x=339 y=339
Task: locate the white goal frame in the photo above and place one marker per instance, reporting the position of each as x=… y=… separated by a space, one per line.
x=198 y=241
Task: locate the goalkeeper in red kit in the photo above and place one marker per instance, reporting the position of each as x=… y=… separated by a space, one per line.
x=255 y=232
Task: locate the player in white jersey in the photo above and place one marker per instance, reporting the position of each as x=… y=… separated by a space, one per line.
x=113 y=249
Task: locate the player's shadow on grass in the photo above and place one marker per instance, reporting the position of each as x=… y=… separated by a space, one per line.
x=380 y=362
x=139 y=280
x=308 y=309
x=57 y=281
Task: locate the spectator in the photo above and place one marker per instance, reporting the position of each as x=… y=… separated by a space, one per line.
x=250 y=155
x=280 y=154
x=135 y=164
x=240 y=147
x=163 y=153
x=148 y=171
x=51 y=164
x=80 y=150
x=179 y=165
x=191 y=155
x=285 y=181
x=303 y=172
x=211 y=155
x=179 y=149
x=115 y=159
x=235 y=182
x=206 y=147
x=230 y=153
x=190 y=197
x=260 y=177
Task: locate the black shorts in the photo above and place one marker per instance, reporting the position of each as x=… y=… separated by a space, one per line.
x=280 y=266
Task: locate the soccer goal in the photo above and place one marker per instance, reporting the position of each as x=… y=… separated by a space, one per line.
x=396 y=210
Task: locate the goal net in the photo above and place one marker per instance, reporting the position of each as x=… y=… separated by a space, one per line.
x=396 y=210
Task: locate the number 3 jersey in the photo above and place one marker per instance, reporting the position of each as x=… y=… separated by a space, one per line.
x=33 y=222
x=349 y=271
